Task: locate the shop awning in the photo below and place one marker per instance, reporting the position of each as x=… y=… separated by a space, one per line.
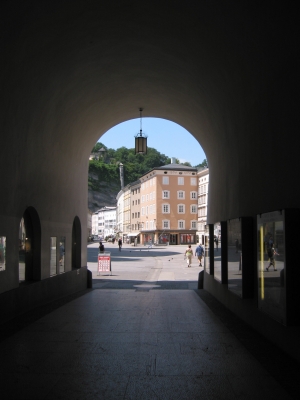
x=133 y=234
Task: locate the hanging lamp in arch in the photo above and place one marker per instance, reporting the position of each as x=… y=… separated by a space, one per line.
x=141 y=139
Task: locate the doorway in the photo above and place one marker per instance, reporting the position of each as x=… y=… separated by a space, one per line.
x=173 y=238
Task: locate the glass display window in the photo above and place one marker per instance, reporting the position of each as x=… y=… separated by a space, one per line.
x=271 y=264
x=2 y=253
x=62 y=245
x=235 y=256
x=217 y=251
x=53 y=258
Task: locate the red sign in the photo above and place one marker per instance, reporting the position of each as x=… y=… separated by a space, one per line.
x=103 y=263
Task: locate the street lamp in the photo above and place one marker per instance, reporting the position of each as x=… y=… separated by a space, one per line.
x=141 y=139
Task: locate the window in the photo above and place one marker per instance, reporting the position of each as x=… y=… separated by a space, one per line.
x=166 y=209
x=165 y=180
x=147 y=225
x=133 y=202
x=180 y=194
x=193 y=224
x=181 y=180
x=166 y=224
x=193 y=209
x=143 y=210
x=193 y=181
x=166 y=194
x=181 y=208
x=147 y=197
x=193 y=195
x=181 y=224
x=138 y=214
x=132 y=215
x=138 y=201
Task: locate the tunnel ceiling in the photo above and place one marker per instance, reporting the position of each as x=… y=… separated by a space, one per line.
x=85 y=66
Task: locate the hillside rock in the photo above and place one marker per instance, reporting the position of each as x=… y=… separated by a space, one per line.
x=104 y=195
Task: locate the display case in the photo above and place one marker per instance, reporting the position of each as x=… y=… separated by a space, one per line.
x=278 y=265
x=208 y=254
x=219 y=249
x=216 y=245
x=2 y=253
x=240 y=256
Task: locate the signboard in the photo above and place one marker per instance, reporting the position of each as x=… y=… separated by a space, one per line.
x=104 y=262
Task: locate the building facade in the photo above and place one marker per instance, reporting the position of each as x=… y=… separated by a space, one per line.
x=203 y=184
x=135 y=209
x=169 y=205
x=104 y=222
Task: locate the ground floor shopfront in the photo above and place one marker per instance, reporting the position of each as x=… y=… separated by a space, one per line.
x=173 y=237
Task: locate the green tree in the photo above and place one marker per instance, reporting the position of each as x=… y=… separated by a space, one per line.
x=204 y=164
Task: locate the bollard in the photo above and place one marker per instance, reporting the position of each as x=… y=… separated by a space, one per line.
x=89 y=279
x=200 y=279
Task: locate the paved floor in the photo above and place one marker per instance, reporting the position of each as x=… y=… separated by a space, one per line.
x=144 y=332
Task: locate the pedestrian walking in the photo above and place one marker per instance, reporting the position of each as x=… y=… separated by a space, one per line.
x=120 y=244
x=236 y=245
x=199 y=252
x=101 y=247
x=150 y=244
x=272 y=253
x=189 y=255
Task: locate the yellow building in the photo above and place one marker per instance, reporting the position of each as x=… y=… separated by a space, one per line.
x=169 y=205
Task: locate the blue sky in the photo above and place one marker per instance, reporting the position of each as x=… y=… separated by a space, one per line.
x=163 y=135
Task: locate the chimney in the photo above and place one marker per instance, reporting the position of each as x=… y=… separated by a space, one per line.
x=173 y=160
x=121 y=175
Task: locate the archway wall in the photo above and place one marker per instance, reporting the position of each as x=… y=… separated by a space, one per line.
x=227 y=74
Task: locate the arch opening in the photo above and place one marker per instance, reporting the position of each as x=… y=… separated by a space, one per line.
x=30 y=246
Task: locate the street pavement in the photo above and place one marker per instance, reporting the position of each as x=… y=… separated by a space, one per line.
x=143 y=332
x=131 y=267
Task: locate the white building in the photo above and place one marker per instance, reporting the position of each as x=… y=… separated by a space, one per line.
x=104 y=222
x=203 y=183
x=89 y=224
x=120 y=213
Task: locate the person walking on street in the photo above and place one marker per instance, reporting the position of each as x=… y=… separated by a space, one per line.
x=101 y=247
x=150 y=244
x=217 y=243
x=120 y=244
x=199 y=252
x=272 y=253
x=189 y=255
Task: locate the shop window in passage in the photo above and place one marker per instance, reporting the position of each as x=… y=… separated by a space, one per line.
x=2 y=253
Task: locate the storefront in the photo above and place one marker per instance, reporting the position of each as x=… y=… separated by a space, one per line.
x=133 y=238
x=174 y=238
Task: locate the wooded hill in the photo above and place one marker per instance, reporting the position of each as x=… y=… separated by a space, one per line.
x=104 y=177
